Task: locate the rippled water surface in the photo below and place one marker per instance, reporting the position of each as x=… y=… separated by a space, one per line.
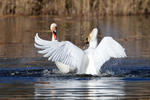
x=24 y=74
x=86 y=87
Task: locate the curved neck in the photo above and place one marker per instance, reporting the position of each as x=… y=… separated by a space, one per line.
x=53 y=39
x=55 y=35
x=93 y=44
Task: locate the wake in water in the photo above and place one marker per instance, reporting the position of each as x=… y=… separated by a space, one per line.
x=39 y=67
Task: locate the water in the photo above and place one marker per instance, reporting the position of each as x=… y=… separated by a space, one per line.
x=110 y=88
x=24 y=74
x=17 y=32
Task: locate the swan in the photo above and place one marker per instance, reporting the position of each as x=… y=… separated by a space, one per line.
x=63 y=68
x=87 y=61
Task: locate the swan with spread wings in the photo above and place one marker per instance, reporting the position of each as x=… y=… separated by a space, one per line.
x=87 y=61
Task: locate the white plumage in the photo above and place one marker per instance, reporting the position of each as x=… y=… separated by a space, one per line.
x=86 y=62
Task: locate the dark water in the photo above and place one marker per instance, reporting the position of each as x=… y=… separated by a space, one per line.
x=24 y=74
x=93 y=88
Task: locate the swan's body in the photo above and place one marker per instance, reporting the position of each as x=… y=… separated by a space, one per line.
x=88 y=61
x=63 y=68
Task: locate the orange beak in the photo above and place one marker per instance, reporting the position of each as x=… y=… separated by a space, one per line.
x=55 y=36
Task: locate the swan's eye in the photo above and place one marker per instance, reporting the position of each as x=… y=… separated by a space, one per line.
x=90 y=36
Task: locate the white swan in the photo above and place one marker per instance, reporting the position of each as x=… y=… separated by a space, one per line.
x=88 y=61
x=63 y=68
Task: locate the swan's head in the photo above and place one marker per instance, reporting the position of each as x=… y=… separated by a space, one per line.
x=53 y=28
x=92 y=36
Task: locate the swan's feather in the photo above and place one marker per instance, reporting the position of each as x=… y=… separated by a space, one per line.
x=64 y=52
x=106 y=49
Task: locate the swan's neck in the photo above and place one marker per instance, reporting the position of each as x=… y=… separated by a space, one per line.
x=93 y=44
x=53 y=39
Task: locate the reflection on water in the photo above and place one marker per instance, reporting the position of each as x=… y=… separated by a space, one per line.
x=81 y=89
x=17 y=33
x=108 y=88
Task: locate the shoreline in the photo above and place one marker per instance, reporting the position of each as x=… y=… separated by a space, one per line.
x=83 y=8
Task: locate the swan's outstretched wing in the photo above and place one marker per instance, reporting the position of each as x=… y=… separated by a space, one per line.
x=64 y=52
x=108 y=48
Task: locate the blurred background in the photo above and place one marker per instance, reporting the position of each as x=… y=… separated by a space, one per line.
x=74 y=7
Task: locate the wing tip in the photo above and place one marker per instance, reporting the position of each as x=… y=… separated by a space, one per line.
x=35 y=45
